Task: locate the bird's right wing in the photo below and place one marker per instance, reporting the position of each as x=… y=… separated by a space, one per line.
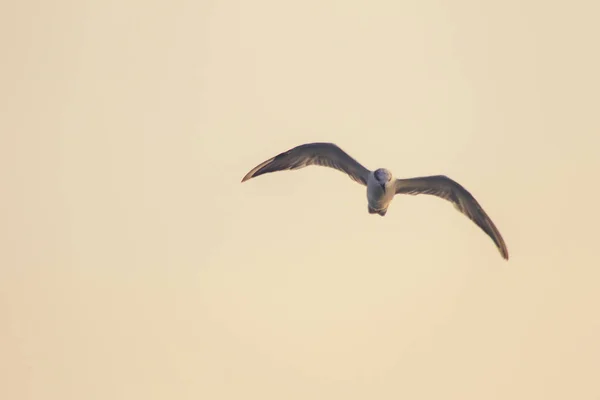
x=323 y=154
x=463 y=201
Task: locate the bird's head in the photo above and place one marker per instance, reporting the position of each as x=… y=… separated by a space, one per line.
x=382 y=176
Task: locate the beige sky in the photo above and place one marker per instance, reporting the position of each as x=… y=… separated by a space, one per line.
x=134 y=265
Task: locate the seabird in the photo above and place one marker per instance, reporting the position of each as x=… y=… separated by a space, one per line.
x=381 y=185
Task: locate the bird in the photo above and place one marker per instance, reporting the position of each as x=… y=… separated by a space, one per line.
x=381 y=185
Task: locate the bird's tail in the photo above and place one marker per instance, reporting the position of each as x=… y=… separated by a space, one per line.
x=374 y=211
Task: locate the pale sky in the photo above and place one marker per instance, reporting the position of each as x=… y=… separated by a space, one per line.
x=135 y=265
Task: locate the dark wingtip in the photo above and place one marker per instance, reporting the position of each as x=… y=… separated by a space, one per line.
x=245 y=178
x=504 y=252
x=258 y=170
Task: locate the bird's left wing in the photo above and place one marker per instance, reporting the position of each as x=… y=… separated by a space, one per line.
x=463 y=201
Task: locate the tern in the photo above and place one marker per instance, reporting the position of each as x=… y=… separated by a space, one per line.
x=381 y=184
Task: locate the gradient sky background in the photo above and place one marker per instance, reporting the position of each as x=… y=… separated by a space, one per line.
x=134 y=265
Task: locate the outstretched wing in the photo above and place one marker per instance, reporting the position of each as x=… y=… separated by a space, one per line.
x=446 y=188
x=323 y=154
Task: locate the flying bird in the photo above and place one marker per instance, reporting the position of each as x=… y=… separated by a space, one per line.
x=380 y=183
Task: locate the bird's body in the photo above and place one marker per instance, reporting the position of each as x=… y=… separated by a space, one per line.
x=381 y=186
x=380 y=191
